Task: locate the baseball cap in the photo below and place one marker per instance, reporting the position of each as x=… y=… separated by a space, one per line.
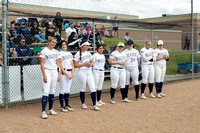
x=50 y=23
x=120 y=44
x=85 y=43
x=160 y=42
x=130 y=42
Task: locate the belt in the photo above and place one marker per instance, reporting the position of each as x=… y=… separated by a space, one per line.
x=99 y=69
x=67 y=69
x=118 y=67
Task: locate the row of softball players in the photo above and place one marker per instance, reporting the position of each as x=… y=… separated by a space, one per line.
x=59 y=66
x=125 y=67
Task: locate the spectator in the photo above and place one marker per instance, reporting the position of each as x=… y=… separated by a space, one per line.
x=77 y=26
x=36 y=61
x=97 y=36
x=82 y=33
x=115 y=27
x=37 y=33
x=128 y=39
x=104 y=32
x=13 y=31
x=50 y=30
x=13 y=61
x=71 y=34
x=106 y=53
x=10 y=43
x=58 y=22
x=88 y=28
x=23 y=51
x=187 y=42
x=58 y=38
x=24 y=33
x=66 y=24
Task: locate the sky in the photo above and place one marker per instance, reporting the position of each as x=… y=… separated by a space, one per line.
x=141 y=8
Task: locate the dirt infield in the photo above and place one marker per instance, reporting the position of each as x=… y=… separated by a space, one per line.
x=179 y=112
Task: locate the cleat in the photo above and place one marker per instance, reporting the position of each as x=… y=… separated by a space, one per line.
x=44 y=115
x=126 y=100
x=136 y=99
x=96 y=108
x=64 y=109
x=112 y=101
x=151 y=95
x=158 y=95
x=162 y=94
x=52 y=112
x=143 y=96
x=69 y=108
x=98 y=104
x=101 y=102
x=84 y=106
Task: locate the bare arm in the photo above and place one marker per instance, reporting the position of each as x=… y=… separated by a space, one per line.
x=138 y=61
x=76 y=65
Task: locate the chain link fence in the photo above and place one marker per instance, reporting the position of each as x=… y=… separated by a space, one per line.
x=35 y=23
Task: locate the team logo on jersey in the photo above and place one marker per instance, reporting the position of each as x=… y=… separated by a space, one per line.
x=51 y=56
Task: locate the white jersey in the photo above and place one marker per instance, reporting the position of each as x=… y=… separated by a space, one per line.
x=85 y=56
x=132 y=57
x=117 y=56
x=99 y=61
x=146 y=55
x=67 y=59
x=160 y=53
x=50 y=57
x=69 y=31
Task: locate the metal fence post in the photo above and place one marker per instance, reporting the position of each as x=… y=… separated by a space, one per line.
x=5 y=81
x=151 y=35
x=192 y=38
x=93 y=36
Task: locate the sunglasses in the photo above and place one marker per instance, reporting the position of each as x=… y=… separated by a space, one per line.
x=23 y=41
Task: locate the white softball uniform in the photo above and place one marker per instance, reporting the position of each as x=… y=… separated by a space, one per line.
x=132 y=66
x=98 y=70
x=160 y=66
x=65 y=83
x=85 y=73
x=51 y=72
x=118 y=72
x=147 y=66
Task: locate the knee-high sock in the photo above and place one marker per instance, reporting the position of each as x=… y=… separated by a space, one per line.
x=157 y=87
x=123 y=93
x=112 y=92
x=51 y=99
x=126 y=91
x=44 y=102
x=66 y=97
x=98 y=95
x=93 y=96
x=143 y=87
x=61 y=99
x=150 y=87
x=136 y=91
x=82 y=97
x=161 y=85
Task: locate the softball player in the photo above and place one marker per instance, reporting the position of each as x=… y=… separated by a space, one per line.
x=49 y=60
x=98 y=72
x=118 y=60
x=162 y=56
x=83 y=60
x=148 y=56
x=67 y=68
x=133 y=60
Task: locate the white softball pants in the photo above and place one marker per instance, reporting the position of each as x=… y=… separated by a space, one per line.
x=147 y=73
x=132 y=73
x=65 y=83
x=52 y=79
x=118 y=75
x=160 y=70
x=98 y=78
x=86 y=76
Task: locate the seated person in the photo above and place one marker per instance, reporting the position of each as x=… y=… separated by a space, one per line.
x=13 y=31
x=50 y=30
x=106 y=53
x=36 y=61
x=10 y=44
x=104 y=31
x=66 y=24
x=23 y=51
x=82 y=33
x=13 y=61
x=127 y=38
x=88 y=28
x=58 y=38
x=71 y=36
x=37 y=33
x=24 y=33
